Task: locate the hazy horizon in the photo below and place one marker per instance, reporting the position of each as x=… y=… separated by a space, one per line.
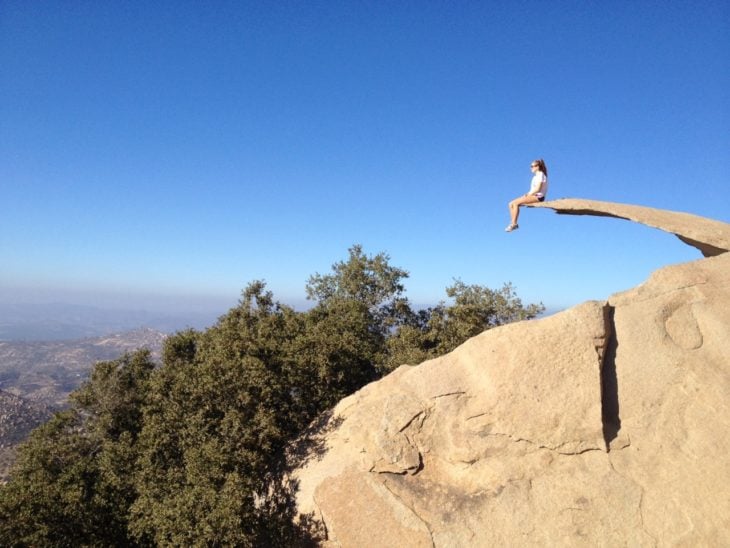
x=64 y=315
x=166 y=155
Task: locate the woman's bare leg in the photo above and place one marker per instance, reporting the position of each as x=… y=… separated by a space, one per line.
x=514 y=206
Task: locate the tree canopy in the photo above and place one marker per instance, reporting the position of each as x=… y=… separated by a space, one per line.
x=191 y=451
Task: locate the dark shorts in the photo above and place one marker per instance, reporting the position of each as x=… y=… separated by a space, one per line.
x=541 y=198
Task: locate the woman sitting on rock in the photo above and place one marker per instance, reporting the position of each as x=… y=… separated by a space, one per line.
x=538 y=191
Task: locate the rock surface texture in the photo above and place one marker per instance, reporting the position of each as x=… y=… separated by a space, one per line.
x=604 y=425
x=709 y=236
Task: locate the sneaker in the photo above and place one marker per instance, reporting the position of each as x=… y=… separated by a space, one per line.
x=510 y=228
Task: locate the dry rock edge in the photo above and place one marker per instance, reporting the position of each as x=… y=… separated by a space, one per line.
x=711 y=237
x=607 y=424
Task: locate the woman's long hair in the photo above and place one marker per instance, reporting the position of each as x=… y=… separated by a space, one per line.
x=541 y=165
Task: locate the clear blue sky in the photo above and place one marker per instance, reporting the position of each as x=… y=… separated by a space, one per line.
x=183 y=149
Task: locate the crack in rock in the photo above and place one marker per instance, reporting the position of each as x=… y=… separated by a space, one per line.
x=397 y=451
x=321 y=519
x=640 y=506
x=413 y=418
x=458 y=394
x=557 y=448
x=413 y=511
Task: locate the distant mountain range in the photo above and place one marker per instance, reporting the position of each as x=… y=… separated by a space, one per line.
x=47 y=372
x=61 y=321
x=18 y=417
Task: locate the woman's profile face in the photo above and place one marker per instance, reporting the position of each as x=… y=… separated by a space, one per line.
x=534 y=166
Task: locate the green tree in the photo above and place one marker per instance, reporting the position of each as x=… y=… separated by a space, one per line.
x=222 y=410
x=359 y=304
x=368 y=280
x=439 y=330
x=193 y=452
x=338 y=351
x=72 y=483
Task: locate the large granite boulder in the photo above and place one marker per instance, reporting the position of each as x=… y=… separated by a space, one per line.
x=607 y=424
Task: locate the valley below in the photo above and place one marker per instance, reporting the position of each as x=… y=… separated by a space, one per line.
x=36 y=378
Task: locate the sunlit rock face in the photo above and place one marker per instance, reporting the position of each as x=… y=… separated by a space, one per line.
x=606 y=424
x=711 y=237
